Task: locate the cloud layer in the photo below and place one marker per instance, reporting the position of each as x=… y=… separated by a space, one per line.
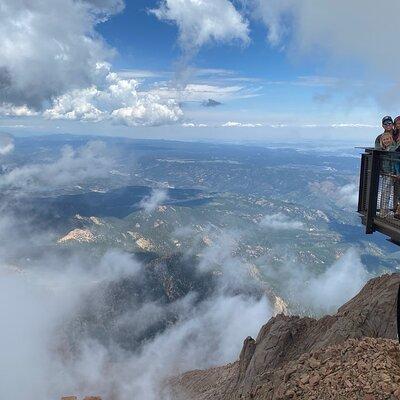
x=356 y=35
x=72 y=168
x=308 y=25
x=321 y=293
x=38 y=303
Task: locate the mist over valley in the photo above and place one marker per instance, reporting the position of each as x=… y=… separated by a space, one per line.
x=160 y=257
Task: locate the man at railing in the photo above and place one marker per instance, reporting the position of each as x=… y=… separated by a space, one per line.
x=387 y=125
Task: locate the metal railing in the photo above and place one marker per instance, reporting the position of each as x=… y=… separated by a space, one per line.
x=379 y=193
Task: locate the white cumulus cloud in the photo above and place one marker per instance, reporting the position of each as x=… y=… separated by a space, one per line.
x=116 y=99
x=49 y=47
x=203 y=21
x=10 y=110
x=53 y=59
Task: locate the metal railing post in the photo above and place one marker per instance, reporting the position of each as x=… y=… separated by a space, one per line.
x=372 y=193
x=362 y=184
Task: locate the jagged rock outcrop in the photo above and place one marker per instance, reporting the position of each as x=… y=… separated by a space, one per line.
x=285 y=339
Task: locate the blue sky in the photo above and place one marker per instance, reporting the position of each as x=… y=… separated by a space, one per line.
x=143 y=42
x=123 y=69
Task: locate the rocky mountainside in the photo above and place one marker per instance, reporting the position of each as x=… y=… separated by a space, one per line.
x=353 y=354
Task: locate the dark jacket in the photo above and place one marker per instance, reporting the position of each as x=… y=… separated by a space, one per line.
x=378 y=142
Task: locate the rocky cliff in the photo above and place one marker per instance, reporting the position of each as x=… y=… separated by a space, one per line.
x=353 y=354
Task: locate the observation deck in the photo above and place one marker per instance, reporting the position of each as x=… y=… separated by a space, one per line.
x=379 y=193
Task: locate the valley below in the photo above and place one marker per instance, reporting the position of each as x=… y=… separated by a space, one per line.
x=127 y=263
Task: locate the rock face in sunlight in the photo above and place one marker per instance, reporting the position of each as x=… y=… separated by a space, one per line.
x=347 y=355
x=78 y=235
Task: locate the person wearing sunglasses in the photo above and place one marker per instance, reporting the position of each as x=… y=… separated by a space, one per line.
x=388 y=126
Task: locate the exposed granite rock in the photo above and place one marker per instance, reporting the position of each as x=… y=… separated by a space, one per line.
x=246 y=355
x=265 y=362
x=367 y=368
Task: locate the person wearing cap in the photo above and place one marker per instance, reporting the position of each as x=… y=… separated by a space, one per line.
x=387 y=125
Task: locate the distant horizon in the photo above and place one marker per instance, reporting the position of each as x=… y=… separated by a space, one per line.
x=363 y=137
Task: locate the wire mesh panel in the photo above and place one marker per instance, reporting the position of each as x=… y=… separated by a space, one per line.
x=388 y=199
x=379 y=193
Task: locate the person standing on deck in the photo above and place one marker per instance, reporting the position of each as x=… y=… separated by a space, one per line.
x=388 y=126
x=396 y=133
x=396 y=161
